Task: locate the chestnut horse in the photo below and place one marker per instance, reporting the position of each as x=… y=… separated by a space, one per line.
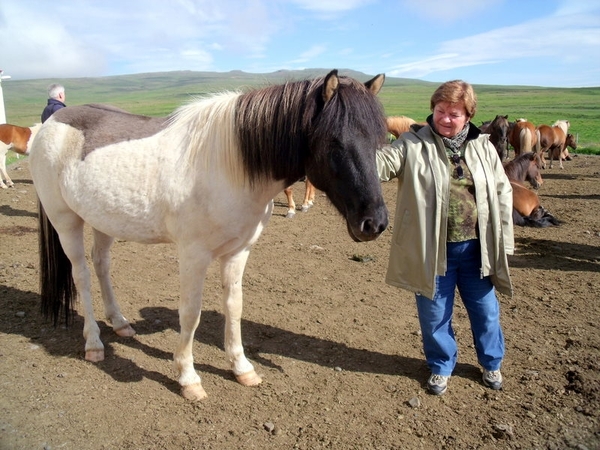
x=307 y=203
x=523 y=137
x=399 y=124
x=498 y=131
x=15 y=138
x=553 y=140
x=204 y=179
x=527 y=210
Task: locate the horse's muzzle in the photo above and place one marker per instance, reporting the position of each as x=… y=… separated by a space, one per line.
x=369 y=228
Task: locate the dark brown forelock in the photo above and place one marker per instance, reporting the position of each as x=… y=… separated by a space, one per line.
x=104 y=125
x=276 y=125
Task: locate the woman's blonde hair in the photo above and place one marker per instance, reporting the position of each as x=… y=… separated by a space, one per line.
x=456 y=91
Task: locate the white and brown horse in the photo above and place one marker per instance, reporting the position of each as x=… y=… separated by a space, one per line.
x=204 y=179
x=15 y=138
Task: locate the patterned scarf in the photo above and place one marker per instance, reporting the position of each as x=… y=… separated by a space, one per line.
x=454 y=143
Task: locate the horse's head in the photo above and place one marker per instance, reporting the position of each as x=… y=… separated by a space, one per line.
x=571 y=141
x=534 y=171
x=348 y=127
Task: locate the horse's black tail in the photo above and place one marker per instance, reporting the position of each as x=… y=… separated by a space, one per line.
x=539 y=218
x=57 y=288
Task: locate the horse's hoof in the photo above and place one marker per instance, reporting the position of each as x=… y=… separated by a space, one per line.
x=290 y=215
x=249 y=379
x=193 y=392
x=94 y=355
x=125 y=331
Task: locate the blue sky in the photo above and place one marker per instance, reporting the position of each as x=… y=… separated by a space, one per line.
x=542 y=43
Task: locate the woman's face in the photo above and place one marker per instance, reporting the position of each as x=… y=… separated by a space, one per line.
x=449 y=118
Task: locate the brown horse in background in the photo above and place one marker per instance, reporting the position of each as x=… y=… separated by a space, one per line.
x=527 y=210
x=523 y=137
x=525 y=167
x=498 y=131
x=571 y=141
x=307 y=203
x=553 y=140
x=399 y=124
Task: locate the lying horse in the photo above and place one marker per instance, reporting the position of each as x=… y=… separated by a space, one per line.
x=498 y=131
x=527 y=210
x=203 y=178
x=15 y=138
x=307 y=203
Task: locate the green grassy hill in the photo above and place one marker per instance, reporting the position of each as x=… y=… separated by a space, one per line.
x=157 y=94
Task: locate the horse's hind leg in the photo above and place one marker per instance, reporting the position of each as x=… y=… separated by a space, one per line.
x=232 y=271
x=70 y=229
x=101 y=259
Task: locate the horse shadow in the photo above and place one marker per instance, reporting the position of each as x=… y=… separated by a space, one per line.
x=8 y=210
x=558 y=176
x=552 y=255
x=260 y=341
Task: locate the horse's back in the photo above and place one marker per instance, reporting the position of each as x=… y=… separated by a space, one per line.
x=399 y=124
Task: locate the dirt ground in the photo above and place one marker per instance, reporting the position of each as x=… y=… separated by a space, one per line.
x=339 y=350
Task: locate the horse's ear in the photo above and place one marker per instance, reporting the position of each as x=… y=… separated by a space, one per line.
x=374 y=84
x=330 y=85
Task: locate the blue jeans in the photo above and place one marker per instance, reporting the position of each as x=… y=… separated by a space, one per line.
x=479 y=298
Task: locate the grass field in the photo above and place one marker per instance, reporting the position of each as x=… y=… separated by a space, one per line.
x=157 y=94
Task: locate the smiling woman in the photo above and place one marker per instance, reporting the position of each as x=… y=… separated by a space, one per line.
x=453 y=229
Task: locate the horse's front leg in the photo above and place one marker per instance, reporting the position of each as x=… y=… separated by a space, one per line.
x=232 y=271
x=193 y=263
x=4 y=176
x=101 y=259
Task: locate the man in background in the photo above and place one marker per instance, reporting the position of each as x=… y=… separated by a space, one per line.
x=56 y=100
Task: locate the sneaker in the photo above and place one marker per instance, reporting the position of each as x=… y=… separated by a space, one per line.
x=492 y=379
x=437 y=384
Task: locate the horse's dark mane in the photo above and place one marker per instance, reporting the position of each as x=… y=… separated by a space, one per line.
x=277 y=126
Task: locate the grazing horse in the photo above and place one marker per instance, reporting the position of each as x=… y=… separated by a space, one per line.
x=397 y=125
x=523 y=137
x=307 y=203
x=498 y=131
x=553 y=140
x=527 y=210
x=204 y=179
x=17 y=139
